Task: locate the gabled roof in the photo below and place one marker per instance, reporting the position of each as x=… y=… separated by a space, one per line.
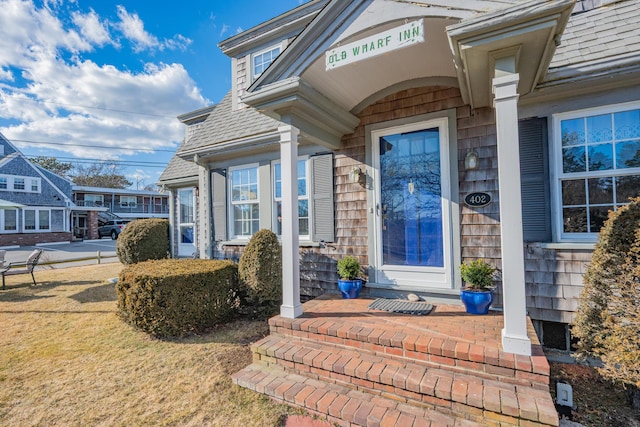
x=179 y=169
x=225 y=124
x=342 y=19
x=276 y=28
x=61 y=185
x=602 y=39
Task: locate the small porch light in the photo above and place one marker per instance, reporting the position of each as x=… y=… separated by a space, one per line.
x=354 y=175
x=471 y=161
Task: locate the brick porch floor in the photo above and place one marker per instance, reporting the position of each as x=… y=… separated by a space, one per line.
x=356 y=366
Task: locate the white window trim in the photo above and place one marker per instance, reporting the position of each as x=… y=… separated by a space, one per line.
x=274 y=199
x=231 y=203
x=252 y=73
x=37 y=220
x=180 y=194
x=128 y=203
x=2 y=221
x=23 y=183
x=28 y=183
x=95 y=199
x=555 y=160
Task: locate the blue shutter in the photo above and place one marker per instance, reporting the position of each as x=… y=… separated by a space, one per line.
x=534 y=176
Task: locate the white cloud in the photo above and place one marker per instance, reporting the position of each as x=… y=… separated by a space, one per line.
x=133 y=29
x=224 y=30
x=25 y=30
x=91 y=28
x=53 y=94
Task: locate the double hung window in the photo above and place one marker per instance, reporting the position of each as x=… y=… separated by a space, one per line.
x=598 y=166
x=303 y=199
x=8 y=220
x=245 y=201
x=18 y=184
x=37 y=220
x=249 y=197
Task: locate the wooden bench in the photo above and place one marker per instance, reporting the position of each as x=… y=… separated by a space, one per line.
x=27 y=267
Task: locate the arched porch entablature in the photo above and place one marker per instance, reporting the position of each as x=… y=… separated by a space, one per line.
x=301 y=89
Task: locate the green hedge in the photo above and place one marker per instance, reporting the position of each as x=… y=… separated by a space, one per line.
x=607 y=322
x=178 y=297
x=260 y=270
x=143 y=240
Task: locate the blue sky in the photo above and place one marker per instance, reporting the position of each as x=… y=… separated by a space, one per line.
x=106 y=79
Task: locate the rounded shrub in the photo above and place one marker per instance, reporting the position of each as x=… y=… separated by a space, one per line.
x=260 y=271
x=172 y=297
x=614 y=243
x=143 y=240
x=620 y=348
x=607 y=323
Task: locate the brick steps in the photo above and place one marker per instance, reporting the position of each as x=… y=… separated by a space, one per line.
x=442 y=369
x=437 y=350
x=412 y=380
x=341 y=405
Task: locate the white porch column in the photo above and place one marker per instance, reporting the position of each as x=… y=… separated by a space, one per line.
x=291 y=307
x=514 y=333
x=172 y=222
x=204 y=221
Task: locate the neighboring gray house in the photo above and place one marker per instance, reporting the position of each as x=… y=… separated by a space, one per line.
x=35 y=203
x=376 y=127
x=180 y=178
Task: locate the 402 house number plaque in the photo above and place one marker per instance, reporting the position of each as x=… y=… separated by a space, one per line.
x=477 y=200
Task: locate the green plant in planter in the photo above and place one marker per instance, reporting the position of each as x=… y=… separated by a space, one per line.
x=478 y=275
x=348 y=268
x=349 y=284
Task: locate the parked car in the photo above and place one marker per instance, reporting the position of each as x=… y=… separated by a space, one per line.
x=112 y=228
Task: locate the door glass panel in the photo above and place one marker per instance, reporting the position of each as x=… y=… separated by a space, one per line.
x=186 y=234
x=411 y=203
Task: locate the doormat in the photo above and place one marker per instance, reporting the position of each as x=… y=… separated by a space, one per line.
x=418 y=308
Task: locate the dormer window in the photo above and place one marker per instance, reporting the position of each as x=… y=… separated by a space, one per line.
x=261 y=60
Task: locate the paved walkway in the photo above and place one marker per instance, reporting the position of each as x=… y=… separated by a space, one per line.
x=60 y=252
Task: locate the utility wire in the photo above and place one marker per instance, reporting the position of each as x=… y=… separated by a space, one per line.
x=114 y=162
x=93 y=146
x=38 y=101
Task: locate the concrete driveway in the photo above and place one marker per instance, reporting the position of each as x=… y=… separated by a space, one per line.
x=63 y=254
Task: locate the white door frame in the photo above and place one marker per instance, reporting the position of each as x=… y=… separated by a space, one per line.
x=186 y=249
x=446 y=279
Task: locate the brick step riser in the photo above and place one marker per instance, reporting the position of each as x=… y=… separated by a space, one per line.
x=445 y=351
x=414 y=384
x=439 y=400
x=344 y=413
x=439 y=413
x=398 y=394
x=445 y=360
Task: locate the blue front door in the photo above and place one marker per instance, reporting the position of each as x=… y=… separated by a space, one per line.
x=412 y=209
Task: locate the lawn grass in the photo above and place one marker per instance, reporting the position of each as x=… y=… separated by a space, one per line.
x=66 y=359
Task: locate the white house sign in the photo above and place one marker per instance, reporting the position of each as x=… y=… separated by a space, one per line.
x=384 y=42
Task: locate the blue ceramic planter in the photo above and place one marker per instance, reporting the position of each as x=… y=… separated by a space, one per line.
x=350 y=288
x=476 y=302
